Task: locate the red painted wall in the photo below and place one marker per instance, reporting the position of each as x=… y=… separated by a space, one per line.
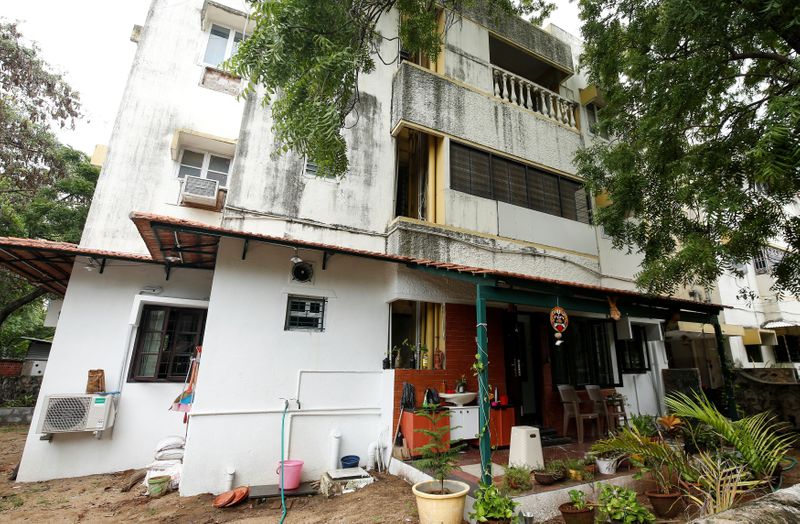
x=10 y=368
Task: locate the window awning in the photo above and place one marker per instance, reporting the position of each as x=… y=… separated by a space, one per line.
x=760 y=337
x=184 y=243
x=49 y=264
x=698 y=329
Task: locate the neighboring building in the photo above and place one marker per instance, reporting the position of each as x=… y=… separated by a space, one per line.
x=36 y=357
x=461 y=200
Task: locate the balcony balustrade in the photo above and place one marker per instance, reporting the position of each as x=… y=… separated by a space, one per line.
x=524 y=93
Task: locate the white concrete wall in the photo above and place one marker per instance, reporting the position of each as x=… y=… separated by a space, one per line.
x=93 y=333
x=163 y=94
x=250 y=363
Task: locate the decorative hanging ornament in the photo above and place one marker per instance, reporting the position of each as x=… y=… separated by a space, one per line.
x=559 y=320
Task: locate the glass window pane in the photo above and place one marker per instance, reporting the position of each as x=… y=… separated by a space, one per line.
x=222 y=179
x=217 y=43
x=237 y=39
x=155 y=319
x=219 y=164
x=190 y=171
x=191 y=158
x=151 y=342
x=147 y=366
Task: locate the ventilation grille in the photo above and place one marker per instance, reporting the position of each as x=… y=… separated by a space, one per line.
x=201 y=187
x=66 y=414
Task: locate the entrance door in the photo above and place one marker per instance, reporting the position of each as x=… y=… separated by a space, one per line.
x=523 y=381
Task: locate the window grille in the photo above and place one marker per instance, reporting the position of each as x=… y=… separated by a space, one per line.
x=310 y=168
x=766 y=258
x=305 y=314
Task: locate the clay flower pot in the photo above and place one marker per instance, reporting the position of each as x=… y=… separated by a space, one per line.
x=666 y=505
x=573 y=515
x=545 y=479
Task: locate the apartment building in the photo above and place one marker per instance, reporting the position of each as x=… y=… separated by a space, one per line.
x=461 y=218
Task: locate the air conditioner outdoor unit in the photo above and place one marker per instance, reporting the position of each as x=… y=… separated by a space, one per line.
x=196 y=190
x=77 y=413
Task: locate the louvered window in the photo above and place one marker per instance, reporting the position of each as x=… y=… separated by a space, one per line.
x=491 y=176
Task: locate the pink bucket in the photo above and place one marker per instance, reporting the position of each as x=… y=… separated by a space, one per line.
x=291 y=472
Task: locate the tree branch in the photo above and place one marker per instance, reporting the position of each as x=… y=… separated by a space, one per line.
x=22 y=301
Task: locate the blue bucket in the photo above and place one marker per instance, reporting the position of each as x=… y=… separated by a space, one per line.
x=350 y=461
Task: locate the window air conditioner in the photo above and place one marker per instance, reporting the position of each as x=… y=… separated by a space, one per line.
x=196 y=190
x=77 y=413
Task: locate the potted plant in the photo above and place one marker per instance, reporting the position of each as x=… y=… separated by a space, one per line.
x=577 y=470
x=554 y=471
x=659 y=459
x=439 y=500
x=645 y=425
x=492 y=505
x=578 y=510
x=517 y=478
x=619 y=504
x=607 y=461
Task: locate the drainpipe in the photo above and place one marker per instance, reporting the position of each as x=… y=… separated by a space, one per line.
x=482 y=339
x=727 y=374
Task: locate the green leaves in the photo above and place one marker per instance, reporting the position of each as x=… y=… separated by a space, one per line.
x=492 y=504
x=619 y=504
x=307 y=57
x=703 y=103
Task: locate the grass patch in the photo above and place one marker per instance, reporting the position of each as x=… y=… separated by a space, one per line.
x=11 y=502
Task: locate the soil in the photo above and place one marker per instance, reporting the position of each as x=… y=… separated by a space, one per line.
x=97 y=498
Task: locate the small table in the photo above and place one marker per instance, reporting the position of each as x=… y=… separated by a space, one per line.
x=615 y=408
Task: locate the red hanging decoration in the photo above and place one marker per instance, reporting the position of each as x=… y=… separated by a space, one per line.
x=559 y=320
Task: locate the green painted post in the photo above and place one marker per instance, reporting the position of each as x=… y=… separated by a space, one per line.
x=727 y=375
x=482 y=350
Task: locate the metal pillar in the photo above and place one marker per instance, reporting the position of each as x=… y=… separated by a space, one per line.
x=482 y=353
x=727 y=374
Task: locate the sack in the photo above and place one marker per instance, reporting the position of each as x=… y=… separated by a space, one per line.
x=159 y=468
x=96 y=383
x=170 y=454
x=171 y=442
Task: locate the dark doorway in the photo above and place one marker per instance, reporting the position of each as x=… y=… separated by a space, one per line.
x=523 y=369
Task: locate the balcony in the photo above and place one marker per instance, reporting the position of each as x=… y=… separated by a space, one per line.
x=526 y=94
x=520 y=118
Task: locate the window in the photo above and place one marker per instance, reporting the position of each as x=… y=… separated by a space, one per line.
x=305 y=314
x=788 y=349
x=490 y=176
x=205 y=165
x=310 y=168
x=585 y=355
x=632 y=355
x=165 y=343
x=222 y=44
x=591 y=115
x=754 y=353
x=766 y=258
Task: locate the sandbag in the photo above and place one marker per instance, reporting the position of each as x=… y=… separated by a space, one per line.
x=171 y=442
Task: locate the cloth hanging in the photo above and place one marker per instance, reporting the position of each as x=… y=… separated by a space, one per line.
x=183 y=402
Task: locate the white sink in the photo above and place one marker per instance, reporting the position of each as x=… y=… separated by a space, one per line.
x=459 y=399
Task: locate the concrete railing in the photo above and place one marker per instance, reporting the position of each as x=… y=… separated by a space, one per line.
x=524 y=93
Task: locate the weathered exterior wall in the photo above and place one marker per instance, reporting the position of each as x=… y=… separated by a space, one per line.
x=10 y=416
x=433 y=101
x=12 y=388
x=774 y=390
x=163 y=94
x=97 y=331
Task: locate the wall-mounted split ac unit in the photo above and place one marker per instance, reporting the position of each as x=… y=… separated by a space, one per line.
x=202 y=191
x=77 y=413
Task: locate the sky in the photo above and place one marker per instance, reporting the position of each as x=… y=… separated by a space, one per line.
x=89 y=42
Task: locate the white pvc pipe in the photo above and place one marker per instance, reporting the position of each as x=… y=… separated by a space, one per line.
x=371 y=452
x=336 y=445
x=228 y=478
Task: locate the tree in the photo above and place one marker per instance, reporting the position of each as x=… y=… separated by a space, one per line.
x=703 y=106
x=45 y=187
x=308 y=55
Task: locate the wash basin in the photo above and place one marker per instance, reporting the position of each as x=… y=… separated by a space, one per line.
x=459 y=399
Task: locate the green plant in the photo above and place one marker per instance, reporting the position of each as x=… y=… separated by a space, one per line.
x=761 y=441
x=718 y=484
x=517 y=478
x=492 y=504
x=25 y=401
x=645 y=425
x=578 y=499
x=554 y=466
x=10 y=502
x=438 y=457
x=662 y=461
x=698 y=437
x=618 y=504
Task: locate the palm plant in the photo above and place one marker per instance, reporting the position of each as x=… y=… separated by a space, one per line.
x=719 y=483
x=761 y=441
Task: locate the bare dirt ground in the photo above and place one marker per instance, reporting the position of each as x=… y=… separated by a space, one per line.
x=98 y=498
